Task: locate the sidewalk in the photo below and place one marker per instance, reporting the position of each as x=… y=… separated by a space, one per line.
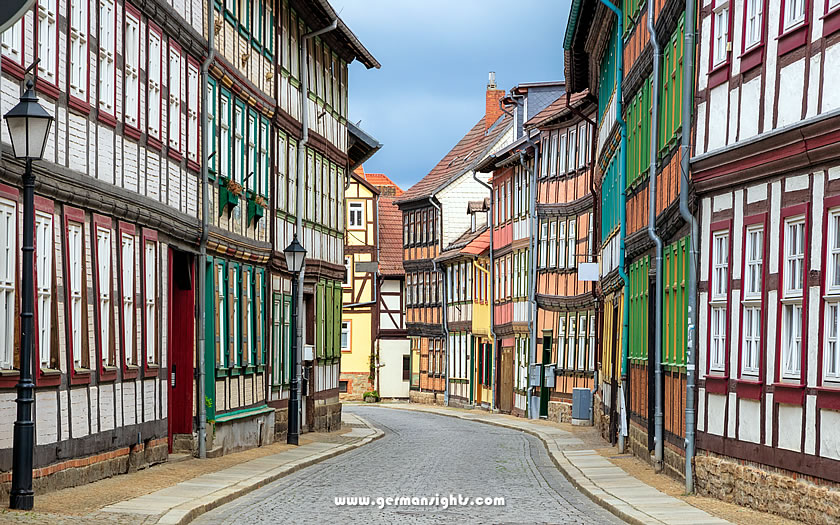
x=179 y=495
x=596 y=470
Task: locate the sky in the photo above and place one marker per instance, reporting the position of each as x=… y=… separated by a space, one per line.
x=435 y=57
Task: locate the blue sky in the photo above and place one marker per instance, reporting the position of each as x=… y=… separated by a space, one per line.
x=435 y=56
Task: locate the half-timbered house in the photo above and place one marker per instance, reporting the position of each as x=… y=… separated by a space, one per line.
x=766 y=166
x=117 y=230
x=433 y=217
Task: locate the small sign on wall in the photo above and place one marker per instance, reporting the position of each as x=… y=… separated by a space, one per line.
x=366 y=266
x=588 y=272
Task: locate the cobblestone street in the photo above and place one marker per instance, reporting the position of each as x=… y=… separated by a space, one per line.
x=423 y=455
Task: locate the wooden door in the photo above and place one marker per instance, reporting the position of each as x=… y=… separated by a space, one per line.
x=181 y=343
x=506 y=381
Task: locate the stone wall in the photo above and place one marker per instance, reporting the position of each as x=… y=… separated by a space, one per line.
x=673 y=457
x=559 y=412
x=750 y=485
x=240 y=434
x=357 y=384
x=326 y=415
x=422 y=398
x=281 y=423
x=80 y=471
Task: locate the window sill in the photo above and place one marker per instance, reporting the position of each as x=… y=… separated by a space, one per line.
x=793 y=39
x=719 y=74
x=789 y=393
x=80 y=376
x=13 y=68
x=717 y=384
x=828 y=397
x=9 y=378
x=78 y=105
x=831 y=22
x=130 y=371
x=153 y=142
x=131 y=131
x=749 y=388
x=48 y=377
x=107 y=373
x=752 y=57
x=151 y=369
x=174 y=154
x=48 y=89
x=106 y=119
x=193 y=165
x=222 y=372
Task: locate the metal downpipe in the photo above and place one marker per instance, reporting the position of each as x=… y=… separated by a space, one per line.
x=691 y=321
x=654 y=140
x=202 y=264
x=622 y=210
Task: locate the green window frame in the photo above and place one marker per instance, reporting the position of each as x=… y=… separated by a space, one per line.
x=234 y=310
x=226 y=128
x=212 y=108
x=337 y=313
x=675 y=304
x=264 y=147
x=639 y=290
x=221 y=340
x=670 y=118
x=319 y=314
x=240 y=127
x=259 y=317
x=251 y=173
x=268 y=29
x=329 y=300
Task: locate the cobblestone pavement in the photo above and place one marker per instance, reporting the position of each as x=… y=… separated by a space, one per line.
x=423 y=455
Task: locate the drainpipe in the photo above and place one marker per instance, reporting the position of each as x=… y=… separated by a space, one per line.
x=622 y=214
x=492 y=291
x=654 y=142
x=301 y=173
x=205 y=211
x=592 y=155
x=685 y=150
x=444 y=326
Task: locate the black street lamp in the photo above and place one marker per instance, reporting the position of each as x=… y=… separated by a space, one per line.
x=295 y=259
x=29 y=125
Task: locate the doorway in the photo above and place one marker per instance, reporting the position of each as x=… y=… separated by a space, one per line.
x=506 y=382
x=181 y=327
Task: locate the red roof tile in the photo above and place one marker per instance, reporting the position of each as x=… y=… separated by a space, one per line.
x=478 y=245
x=390 y=238
x=470 y=149
x=382 y=181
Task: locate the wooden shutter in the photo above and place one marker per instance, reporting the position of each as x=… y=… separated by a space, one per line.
x=231 y=331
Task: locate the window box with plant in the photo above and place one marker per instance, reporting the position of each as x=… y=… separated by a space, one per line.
x=256 y=207
x=229 y=193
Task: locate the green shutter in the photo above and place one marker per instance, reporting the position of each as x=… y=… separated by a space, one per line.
x=286 y=350
x=319 y=314
x=329 y=297
x=210 y=340
x=337 y=290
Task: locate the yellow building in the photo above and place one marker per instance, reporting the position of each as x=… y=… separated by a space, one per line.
x=482 y=342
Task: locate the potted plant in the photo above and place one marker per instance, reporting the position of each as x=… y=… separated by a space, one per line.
x=371 y=396
x=229 y=193
x=256 y=207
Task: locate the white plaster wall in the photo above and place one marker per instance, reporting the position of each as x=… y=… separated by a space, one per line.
x=831 y=72
x=718 y=116
x=790 y=427
x=749 y=424
x=811 y=424
x=79 y=412
x=717 y=411
x=775 y=219
x=46 y=417
x=791 y=86
x=732 y=421
x=829 y=436
x=700 y=127
x=732 y=116
x=701 y=408
x=750 y=92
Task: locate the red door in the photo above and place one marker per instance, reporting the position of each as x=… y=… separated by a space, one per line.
x=181 y=342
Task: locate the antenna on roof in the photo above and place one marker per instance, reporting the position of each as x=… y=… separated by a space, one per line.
x=491 y=80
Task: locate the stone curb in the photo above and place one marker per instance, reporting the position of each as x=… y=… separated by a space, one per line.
x=186 y=512
x=622 y=509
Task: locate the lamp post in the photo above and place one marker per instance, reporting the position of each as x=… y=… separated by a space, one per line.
x=295 y=259
x=29 y=126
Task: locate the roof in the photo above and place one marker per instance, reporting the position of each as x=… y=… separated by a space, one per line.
x=384 y=183
x=478 y=245
x=463 y=157
x=557 y=109
x=477 y=206
x=390 y=238
x=361 y=146
x=458 y=246
x=321 y=11
x=361 y=180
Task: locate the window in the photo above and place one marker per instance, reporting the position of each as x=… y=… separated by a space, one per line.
x=103 y=282
x=248 y=342
x=356 y=214
x=561 y=263
x=8 y=278
x=570 y=348
x=405 y=230
x=752 y=340
x=582 y=147
x=561 y=341
x=281 y=172
x=561 y=157
x=794 y=13
x=265 y=164
x=78 y=49
x=131 y=56
x=721 y=33
x=543 y=244
x=754 y=26
x=239 y=142
x=572 y=150
x=235 y=315
x=348 y=269
x=127 y=287
x=222 y=360
x=154 y=82
x=150 y=299
x=44 y=243
x=831 y=350
x=572 y=241
x=192 y=112
x=175 y=98
x=582 y=338
x=754 y=255
x=225 y=136
x=74 y=289
x=718 y=301
x=751 y=317
x=293 y=178
x=107 y=55
x=793 y=270
x=591 y=364
x=552 y=250
x=553 y=153
x=831 y=353
x=47 y=45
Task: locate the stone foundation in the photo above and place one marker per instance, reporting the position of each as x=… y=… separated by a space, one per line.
x=326 y=415
x=559 y=412
x=751 y=486
x=357 y=384
x=600 y=417
x=240 y=434
x=281 y=424
x=673 y=458
x=422 y=398
x=81 y=471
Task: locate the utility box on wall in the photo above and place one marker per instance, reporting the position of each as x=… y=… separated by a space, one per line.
x=581 y=406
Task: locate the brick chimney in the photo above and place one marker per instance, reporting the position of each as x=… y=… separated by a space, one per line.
x=492 y=110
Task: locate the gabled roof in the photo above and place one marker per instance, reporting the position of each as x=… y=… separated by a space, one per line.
x=460 y=159
x=361 y=180
x=478 y=245
x=361 y=146
x=459 y=245
x=321 y=11
x=557 y=109
x=390 y=238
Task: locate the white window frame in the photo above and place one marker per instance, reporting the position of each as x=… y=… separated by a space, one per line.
x=583 y=324
x=238 y=142
x=754 y=13
x=552 y=242
x=794 y=14
x=751 y=345
x=248 y=332
x=131 y=61
x=572 y=242
x=582 y=146
x=561 y=341
x=718 y=300
x=128 y=291
x=150 y=300
x=553 y=153
x=356 y=221
x=75 y=235
x=591 y=363
x=791 y=341
x=562 y=155
x=721 y=37
x=754 y=265
x=720 y=266
x=831 y=348
x=44 y=267
x=8 y=281
x=348 y=271
x=79 y=54
x=193 y=108
x=47 y=45
x=104 y=269
x=572 y=339
x=107 y=40
x=543 y=244
x=265 y=165
x=346 y=333
x=572 y=162
x=561 y=244
x=224 y=133
x=174 y=108
x=221 y=316
x=794 y=258
x=251 y=176
x=154 y=82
